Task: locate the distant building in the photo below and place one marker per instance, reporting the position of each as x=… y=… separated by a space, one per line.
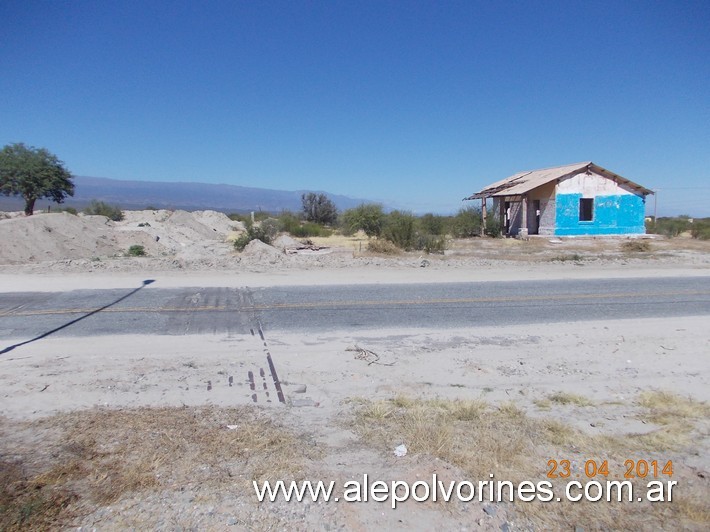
x=576 y=199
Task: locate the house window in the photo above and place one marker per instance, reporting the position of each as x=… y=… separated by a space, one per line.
x=586 y=209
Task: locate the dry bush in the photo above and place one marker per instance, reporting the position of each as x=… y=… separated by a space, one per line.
x=380 y=245
x=481 y=439
x=636 y=246
x=92 y=459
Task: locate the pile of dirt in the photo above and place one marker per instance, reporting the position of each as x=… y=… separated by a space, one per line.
x=285 y=242
x=62 y=236
x=257 y=251
x=54 y=236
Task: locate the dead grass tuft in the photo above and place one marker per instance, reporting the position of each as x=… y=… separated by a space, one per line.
x=570 y=257
x=481 y=439
x=564 y=398
x=91 y=459
x=636 y=246
x=665 y=408
x=385 y=247
x=468 y=433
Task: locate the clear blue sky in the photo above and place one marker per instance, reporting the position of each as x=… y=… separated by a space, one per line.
x=414 y=103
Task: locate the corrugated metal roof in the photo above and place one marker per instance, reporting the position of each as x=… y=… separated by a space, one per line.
x=526 y=181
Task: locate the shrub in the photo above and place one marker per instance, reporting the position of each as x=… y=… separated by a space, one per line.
x=68 y=210
x=430 y=243
x=289 y=222
x=493 y=226
x=467 y=222
x=399 y=229
x=378 y=245
x=112 y=212
x=670 y=227
x=701 y=229
x=308 y=229
x=269 y=228
x=632 y=246
x=254 y=232
x=432 y=224
x=136 y=250
x=368 y=217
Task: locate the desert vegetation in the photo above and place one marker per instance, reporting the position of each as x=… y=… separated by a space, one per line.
x=678 y=225
x=388 y=232
x=94 y=458
x=100 y=208
x=478 y=437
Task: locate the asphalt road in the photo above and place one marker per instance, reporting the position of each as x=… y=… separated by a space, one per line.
x=151 y=310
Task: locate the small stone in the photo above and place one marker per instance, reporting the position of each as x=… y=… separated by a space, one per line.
x=505 y=527
x=490 y=510
x=303 y=402
x=300 y=388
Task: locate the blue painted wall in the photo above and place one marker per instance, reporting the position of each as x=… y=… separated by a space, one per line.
x=613 y=215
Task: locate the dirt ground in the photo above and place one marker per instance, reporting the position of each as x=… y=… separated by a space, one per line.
x=116 y=432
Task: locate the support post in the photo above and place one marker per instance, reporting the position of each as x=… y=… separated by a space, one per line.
x=483 y=216
x=501 y=213
x=523 y=233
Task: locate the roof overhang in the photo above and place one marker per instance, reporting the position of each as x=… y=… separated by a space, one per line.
x=524 y=182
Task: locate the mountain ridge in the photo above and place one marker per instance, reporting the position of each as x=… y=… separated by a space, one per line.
x=131 y=194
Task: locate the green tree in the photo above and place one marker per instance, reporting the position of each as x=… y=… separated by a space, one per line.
x=400 y=229
x=33 y=173
x=368 y=216
x=432 y=224
x=467 y=222
x=319 y=208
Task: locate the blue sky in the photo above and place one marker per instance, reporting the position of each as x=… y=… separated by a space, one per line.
x=417 y=104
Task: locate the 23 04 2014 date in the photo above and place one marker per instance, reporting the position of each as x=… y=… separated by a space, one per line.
x=594 y=468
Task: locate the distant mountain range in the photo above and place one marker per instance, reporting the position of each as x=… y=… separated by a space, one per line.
x=187 y=196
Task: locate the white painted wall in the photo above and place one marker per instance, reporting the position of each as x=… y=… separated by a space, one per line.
x=591 y=186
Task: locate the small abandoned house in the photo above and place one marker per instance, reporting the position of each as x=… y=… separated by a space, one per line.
x=576 y=199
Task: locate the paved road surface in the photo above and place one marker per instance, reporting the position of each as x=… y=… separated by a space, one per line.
x=151 y=310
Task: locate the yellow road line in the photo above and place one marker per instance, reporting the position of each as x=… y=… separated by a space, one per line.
x=367 y=303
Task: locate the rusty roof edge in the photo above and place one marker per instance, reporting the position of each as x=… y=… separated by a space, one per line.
x=507 y=183
x=515 y=180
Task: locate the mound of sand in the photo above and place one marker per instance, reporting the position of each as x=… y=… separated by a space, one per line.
x=285 y=242
x=257 y=251
x=62 y=236
x=54 y=236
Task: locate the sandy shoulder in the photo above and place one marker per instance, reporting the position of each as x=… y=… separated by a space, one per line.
x=603 y=360
x=320 y=276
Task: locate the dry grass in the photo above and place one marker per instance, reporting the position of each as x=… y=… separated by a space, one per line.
x=636 y=246
x=382 y=246
x=564 y=398
x=451 y=430
x=481 y=439
x=92 y=459
x=665 y=408
x=568 y=257
x=357 y=242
